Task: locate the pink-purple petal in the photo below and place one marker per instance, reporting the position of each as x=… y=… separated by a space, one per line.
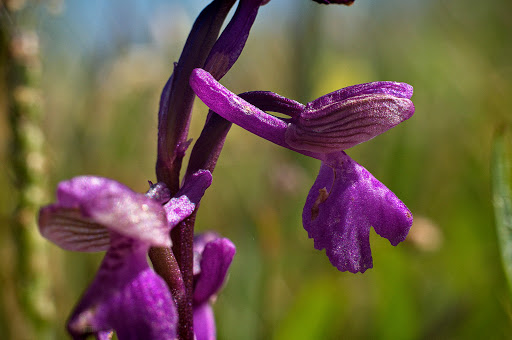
x=131 y=214
x=343 y=203
x=177 y=209
x=235 y=109
x=200 y=241
x=395 y=89
x=180 y=207
x=204 y=322
x=86 y=205
x=215 y=261
x=341 y=125
x=195 y=185
x=127 y=296
x=70 y=230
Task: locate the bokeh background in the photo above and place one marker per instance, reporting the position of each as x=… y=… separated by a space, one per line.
x=103 y=66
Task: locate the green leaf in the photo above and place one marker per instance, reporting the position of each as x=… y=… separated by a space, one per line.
x=502 y=201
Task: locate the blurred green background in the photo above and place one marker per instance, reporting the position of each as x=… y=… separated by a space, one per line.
x=104 y=64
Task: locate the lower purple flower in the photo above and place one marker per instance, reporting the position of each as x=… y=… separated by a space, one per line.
x=126 y=295
x=346 y=200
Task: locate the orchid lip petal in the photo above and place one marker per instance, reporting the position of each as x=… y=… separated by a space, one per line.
x=345 y=201
x=127 y=296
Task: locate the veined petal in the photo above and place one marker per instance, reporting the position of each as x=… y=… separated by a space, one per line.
x=127 y=296
x=204 y=322
x=89 y=207
x=331 y=123
x=343 y=203
x=343 y=119
x=71 y=230
x=215 y=260
x=395 y=89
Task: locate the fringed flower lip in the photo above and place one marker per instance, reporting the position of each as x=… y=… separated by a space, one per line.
x=126 y=295
x=346 y=200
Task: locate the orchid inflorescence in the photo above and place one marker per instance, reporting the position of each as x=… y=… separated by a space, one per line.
x=172 y=299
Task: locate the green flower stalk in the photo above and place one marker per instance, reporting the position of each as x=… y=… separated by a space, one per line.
x=22 y=74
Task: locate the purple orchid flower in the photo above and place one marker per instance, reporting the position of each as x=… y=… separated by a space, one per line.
x=95 y=214
x=345 y=200
x=212 y=258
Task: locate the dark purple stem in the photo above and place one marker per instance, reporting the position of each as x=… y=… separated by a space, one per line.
x=183 y=240
x=208 y=146
x=174 y=119
x=165 y=264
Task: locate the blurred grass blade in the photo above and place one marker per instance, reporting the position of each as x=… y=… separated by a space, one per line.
x=502 y=202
